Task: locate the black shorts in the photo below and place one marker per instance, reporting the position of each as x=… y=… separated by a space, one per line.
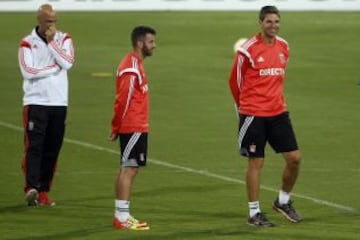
x=255 y=132
x=133 y=149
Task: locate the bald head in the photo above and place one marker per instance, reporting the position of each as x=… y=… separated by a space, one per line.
x=46 y=9
x=46 y=17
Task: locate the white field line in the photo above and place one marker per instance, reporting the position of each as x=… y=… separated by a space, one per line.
x=195 y=171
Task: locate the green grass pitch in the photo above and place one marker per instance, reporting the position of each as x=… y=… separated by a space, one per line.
x=193 y=185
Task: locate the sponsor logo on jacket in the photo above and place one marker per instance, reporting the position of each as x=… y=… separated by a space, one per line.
x=271 y=72
x=145 y=88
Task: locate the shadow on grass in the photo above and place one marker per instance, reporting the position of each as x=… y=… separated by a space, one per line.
x=65 y=203
x=81 y=233
x=15 y=208
x=91 y=233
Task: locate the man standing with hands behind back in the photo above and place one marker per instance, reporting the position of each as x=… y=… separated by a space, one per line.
x=45 y=56
x=130 y=123
x=257 y=82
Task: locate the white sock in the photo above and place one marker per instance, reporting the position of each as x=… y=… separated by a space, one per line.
x=122 y=210
x=284 y=197
x=254 y=208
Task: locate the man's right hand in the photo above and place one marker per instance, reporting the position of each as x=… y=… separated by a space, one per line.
x=50 y=33
x=113 y=136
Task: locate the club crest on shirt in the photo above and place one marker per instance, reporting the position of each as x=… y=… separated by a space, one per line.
x=282 y=58
x=142 y=157
x=31 y=125
x=145 y=88
x=252 y=148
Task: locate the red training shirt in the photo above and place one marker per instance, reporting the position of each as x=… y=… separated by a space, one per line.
x=131 y=107
x=257 y=77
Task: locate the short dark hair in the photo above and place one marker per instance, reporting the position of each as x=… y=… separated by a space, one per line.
x=139 y=32
x=267 y=10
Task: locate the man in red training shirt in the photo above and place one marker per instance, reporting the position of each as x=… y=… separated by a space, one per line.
x=131 y=123
x=256 y=83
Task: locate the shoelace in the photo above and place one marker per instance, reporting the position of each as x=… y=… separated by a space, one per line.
x=262 y=217
x=133 y=220
x=44 y=198
x=288 y=206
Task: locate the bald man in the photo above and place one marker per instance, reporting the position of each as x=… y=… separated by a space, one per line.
x=45 y=56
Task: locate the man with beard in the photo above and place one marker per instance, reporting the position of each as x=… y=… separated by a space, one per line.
x=131 y=123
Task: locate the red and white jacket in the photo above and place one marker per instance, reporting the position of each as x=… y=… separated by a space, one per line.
x=44 y=68
x=131 y=107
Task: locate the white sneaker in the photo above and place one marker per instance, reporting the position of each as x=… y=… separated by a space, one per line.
x=31 y=197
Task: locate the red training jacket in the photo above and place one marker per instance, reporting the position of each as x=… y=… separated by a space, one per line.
x=131 y=107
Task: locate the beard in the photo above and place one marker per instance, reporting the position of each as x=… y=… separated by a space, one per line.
x=147 y=51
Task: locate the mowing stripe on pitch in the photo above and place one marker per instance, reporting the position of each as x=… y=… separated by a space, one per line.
x=192 y=170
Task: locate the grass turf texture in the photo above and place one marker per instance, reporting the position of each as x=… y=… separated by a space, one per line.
x=193 y=125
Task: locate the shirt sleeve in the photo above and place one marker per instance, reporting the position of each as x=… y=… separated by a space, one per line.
x=27 y=66
x=64 y=53
x=124 y=91
x=236 y=76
